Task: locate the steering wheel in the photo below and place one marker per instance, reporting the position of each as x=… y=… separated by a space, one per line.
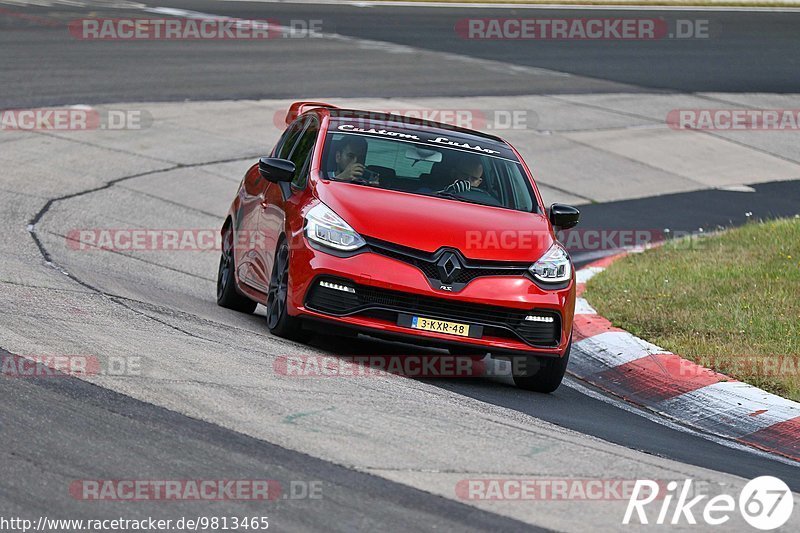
x=479 y=195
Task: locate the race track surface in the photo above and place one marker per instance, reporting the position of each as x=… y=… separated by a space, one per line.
x=382 y=51
x=208 y=400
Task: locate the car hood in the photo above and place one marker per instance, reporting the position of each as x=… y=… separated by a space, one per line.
x=427 y=223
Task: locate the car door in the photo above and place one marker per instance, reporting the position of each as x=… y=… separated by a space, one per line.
x=247 y=216
x=254 y=269
x=278 y=196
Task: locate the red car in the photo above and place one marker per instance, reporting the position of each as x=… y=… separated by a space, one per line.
x=404 y=229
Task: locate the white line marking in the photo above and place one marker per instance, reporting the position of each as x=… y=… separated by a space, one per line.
x=390 y=48
x=737 y=188
x=582 y=307
x=585 y=274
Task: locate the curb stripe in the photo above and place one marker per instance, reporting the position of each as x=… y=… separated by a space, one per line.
x=729 y=408
x=656 y=378
x=579 y=288
x=585 y=326
x=781 y=436
x=611 y=349
x=642 y=373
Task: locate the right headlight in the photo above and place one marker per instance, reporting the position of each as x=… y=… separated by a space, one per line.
x=325 y=227
x=553 y=267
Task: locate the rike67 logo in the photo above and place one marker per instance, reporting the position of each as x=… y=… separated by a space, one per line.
x=765 y=503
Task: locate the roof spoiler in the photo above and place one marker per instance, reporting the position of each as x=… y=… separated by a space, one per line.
x=298 y=108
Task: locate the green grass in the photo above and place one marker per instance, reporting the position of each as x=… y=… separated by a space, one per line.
x=730 y=302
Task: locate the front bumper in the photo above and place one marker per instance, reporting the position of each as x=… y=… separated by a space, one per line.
x=387 y=288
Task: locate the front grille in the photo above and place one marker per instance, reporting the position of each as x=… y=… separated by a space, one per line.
x=497 y=321
x=426 y=263
x=427 y=267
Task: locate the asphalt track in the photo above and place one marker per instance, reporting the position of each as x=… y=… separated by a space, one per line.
x=136 y=440
x=123 y=437
x=691 y=213
x=749 y=52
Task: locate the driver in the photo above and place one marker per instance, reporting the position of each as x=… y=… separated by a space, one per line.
x=350 y=154
x=466 y=175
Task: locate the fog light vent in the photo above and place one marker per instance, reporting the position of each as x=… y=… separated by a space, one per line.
x=337 y=287
x=537 y=318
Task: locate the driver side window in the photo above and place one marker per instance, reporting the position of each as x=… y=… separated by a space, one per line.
x=288 y=139
x=301 y=155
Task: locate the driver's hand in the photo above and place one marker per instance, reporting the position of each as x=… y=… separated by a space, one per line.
x=353 y=171
x=458 y=187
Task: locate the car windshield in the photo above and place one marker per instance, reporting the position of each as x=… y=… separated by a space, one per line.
x=452 y=167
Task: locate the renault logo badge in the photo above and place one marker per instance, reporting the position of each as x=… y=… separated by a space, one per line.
x=448 y=267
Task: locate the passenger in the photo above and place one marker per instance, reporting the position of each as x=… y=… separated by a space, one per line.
x=467 y=174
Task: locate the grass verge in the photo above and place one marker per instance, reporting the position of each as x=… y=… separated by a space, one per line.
x=729 y=302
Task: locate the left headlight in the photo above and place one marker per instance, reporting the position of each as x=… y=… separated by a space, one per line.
x=553 y=267
x=325 y=227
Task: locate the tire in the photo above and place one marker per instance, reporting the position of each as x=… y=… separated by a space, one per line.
x=278 y=320
x=541 y=374
x=227 y=295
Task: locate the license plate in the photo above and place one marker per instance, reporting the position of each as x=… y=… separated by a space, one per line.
x=440 y=326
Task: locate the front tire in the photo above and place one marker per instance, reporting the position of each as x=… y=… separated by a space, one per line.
x=227 y=295
x=278 y=320
x=541 y=374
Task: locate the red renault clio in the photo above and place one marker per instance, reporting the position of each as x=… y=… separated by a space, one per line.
x=404 y=229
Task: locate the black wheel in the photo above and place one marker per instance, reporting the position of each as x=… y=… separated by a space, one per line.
x=540 y=374
x=227 y=295
x=278 y=320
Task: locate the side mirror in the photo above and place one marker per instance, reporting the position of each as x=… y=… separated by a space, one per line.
x=564 y=216
x=276 y=170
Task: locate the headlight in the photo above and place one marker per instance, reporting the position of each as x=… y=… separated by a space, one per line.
x=327 y=228
x=553 y=266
